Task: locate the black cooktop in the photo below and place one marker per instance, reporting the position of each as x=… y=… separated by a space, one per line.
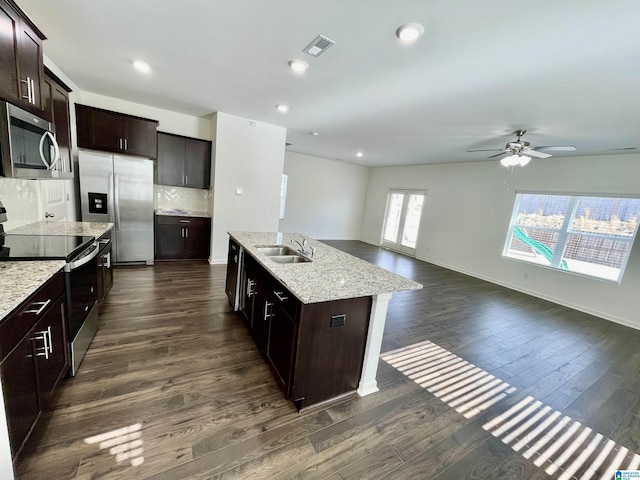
x=42 y=247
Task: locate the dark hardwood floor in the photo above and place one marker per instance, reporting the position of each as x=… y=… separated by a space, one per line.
x=173 y=388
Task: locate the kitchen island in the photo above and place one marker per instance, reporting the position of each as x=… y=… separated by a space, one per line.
x=317 y=319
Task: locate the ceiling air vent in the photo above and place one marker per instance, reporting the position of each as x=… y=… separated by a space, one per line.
x=319 y=45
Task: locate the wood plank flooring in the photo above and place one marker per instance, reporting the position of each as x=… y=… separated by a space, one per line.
x=173 y=387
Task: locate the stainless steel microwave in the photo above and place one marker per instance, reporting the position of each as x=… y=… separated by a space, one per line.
x=28 y=146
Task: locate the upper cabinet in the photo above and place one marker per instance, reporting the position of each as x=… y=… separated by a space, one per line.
x=20 y=58
x=183 y=161
x=55 y=102
x=115 y=132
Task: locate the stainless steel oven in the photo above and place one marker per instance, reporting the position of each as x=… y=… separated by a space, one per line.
x=81 y=277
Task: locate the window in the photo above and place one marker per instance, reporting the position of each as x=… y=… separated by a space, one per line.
x=402 y=220
x=582 y=234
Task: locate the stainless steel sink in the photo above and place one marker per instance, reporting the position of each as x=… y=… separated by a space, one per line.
x=271 y=250
x=289 y=258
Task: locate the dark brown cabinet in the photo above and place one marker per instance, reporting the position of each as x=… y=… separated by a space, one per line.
x=116 y=132
x=314 y=350
x=231 y=284
x=182 y=238
x=105 y=269
x=55 y=101
x=256 y=311
x=33 y=358
x=183 y=161
x=20 y=58
x=282 y=334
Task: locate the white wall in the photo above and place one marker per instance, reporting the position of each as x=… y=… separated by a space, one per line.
x=250 y=158
x=325 y=198
x=467 y=212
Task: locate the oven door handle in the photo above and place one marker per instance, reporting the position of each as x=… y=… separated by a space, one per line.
x=69 y=267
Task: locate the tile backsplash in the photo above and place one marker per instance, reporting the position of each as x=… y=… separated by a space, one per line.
x=180 y=198
x=21 y=198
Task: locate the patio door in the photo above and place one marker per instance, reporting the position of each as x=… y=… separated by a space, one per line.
x=402 y=220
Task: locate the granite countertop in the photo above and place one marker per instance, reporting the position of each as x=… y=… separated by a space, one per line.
x=332 y=275
x=18 y=280
x=176 y=212
x=92 y=229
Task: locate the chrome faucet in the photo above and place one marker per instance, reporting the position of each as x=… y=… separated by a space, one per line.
x=303 y=245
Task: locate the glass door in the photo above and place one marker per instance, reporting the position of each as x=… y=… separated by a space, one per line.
x=402 y=220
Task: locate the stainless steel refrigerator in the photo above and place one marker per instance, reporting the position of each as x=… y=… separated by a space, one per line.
x=119 y=189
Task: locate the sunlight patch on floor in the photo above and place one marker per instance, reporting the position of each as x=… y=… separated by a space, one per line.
x=123 y=443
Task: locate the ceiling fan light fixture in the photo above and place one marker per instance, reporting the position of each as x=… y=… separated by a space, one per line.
x=514 y=160
x=409 y=32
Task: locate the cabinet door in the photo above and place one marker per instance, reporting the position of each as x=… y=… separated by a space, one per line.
x=260 y=313
x=52 y=361
x=169 y=240
x=20 y=389
x=62 y=122
x=98 y=130
x=9 y=28
x=197 y=163
x=170 y=164
x=231 y=283
x=30 y=66
x=281 y=343
x=197 y=238
x=140 y=137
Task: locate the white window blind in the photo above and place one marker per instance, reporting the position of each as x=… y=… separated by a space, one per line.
x=578 y=233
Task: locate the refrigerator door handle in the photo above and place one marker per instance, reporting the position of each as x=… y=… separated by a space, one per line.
x=110 y=199
x=116 y=201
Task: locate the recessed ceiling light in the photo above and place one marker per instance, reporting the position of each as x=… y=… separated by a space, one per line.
x=315 y=134
x=283 y=108
x=409 y=32
x=359 y=154
x=298 y=66
x=142 y=67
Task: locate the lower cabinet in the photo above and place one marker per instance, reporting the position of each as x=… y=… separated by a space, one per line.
x=182 y=238
x=105 y=269
x=33 y=358
x=314 y=350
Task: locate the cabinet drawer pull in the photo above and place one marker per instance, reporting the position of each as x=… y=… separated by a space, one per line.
x=250 y=285
x=267 y=315
x=38 y=311
x=45 y=350
x=185 y=221
x=281 y=296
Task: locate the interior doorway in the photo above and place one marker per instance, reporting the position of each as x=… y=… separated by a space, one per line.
x=402 y=220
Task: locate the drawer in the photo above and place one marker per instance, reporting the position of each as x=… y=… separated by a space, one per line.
x=184 y=221
x=18 y=323
x=283 y=297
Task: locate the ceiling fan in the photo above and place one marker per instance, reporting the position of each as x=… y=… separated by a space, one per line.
x=520 y=151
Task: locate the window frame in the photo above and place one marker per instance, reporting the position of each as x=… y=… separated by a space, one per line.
x=564 y=233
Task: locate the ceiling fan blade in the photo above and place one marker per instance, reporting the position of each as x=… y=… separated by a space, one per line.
x=558 y=148
x=533 y=153
x=487 y=150
x=497 y=154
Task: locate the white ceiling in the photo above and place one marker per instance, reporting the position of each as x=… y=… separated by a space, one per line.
x=567 y=71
